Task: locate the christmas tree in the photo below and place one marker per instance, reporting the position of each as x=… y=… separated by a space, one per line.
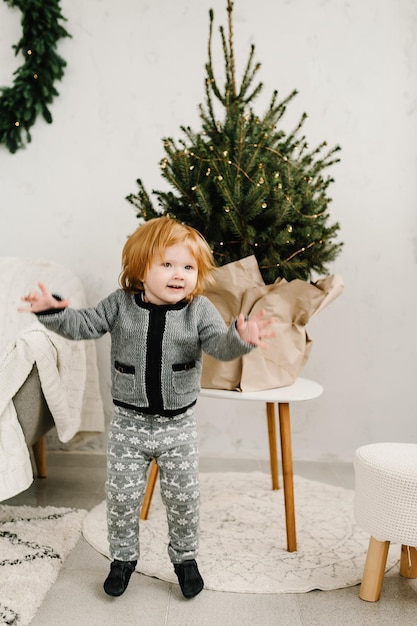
x=249 y=187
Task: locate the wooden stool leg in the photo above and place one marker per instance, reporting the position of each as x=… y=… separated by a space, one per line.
x=373 y=573
x=272 y=436
x=287 y=473
x=39 y=453
x=408 y=562
x=153 y=475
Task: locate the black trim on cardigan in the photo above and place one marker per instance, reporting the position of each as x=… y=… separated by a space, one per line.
x=147 y=410
x=153 y=379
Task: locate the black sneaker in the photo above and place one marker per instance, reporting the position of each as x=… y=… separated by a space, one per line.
x=189 y=578
x=118 y=579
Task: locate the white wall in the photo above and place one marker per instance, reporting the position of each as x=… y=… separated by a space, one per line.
x=135 y=74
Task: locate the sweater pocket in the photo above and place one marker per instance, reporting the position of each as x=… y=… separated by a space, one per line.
x=124 y=380
x=184 y=377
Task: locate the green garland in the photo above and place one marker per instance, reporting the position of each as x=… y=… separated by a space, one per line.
x=33 y=87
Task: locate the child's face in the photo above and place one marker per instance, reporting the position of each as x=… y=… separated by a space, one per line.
x=172 y=278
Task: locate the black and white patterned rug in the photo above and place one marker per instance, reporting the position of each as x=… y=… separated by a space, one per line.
x=243 y=537
x=34 y=542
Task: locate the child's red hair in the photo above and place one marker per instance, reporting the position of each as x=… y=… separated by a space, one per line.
x=150 y=240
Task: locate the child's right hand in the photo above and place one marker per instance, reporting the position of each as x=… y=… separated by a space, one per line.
x=43 y=301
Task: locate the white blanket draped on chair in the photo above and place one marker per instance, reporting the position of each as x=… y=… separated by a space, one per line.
x=67 y=369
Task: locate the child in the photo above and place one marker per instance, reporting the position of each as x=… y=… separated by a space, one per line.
x=159 y=324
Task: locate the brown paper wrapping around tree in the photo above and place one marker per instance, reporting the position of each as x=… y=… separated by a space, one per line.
x=239 y=288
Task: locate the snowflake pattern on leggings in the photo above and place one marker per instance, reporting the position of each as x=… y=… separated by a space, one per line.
x=134 y=440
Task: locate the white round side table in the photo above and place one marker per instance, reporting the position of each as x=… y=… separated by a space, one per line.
x=302 y=389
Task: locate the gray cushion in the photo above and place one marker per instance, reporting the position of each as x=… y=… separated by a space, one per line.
x=32 y=411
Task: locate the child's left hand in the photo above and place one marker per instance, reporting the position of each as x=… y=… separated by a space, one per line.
x=254 y=329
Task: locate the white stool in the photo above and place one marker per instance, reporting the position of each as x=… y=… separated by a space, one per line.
x=386 y=507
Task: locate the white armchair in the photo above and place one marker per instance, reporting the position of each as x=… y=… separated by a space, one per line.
x=45 y=380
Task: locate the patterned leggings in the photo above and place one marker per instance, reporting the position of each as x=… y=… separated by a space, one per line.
x=134 y=440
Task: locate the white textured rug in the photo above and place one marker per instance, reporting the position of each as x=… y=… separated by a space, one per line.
x=33 y=545
x=243 y=537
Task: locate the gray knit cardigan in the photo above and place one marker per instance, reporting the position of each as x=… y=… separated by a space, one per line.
x=156 y=350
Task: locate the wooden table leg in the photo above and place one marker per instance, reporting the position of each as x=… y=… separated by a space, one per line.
x=272 y=436
x=153 y=475
x=39 y=453
x=287 y=473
